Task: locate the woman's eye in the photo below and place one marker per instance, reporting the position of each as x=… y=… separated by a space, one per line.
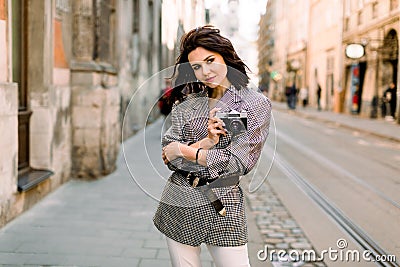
x=196 y=67
x=211 y=60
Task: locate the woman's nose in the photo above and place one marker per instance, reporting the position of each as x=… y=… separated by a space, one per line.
x=206 y=70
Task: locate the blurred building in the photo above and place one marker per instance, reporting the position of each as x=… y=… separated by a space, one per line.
x=178 y=17
x=68 y=70
x=269 y=78
x=60 y=95
x=307 y=41
x=324 y=52
x=374 y=25
x=244 y=44
x=219 y=11
x=283 y=37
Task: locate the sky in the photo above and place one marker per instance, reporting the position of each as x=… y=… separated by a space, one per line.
x=249 y=12
x=249 y=15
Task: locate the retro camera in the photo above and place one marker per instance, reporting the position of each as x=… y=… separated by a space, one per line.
x=235 y=122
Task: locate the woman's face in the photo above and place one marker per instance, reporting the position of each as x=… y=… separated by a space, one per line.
x=209 y=67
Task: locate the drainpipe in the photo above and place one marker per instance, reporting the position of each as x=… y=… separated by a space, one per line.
x=338 y=101
x=375 y=99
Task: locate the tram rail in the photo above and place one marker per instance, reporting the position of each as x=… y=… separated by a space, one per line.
x=358 y=234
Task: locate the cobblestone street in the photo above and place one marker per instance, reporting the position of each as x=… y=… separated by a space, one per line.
x=276 y=226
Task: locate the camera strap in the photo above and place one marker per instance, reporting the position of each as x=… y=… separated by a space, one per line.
x=212 y=197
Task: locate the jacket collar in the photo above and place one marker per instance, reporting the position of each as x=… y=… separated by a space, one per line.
x=231 y=95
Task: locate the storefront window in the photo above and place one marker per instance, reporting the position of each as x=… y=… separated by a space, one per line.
x=374 y=9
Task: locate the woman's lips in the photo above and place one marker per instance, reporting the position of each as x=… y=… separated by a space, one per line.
x=210 y=80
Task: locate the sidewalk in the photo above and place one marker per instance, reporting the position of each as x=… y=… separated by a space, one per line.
x=376 y=127
x=106 y=222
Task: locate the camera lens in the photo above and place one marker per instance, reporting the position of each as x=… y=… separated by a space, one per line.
x=235 y=126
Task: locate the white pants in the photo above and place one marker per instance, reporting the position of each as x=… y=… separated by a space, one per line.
x=187 y=256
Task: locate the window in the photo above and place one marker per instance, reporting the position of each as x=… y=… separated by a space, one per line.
x=394 y=4
x=359 y=18
x=150 y=39
x=27 y=176
x=346 y=24
x=347 y=8
x=330 y=64
x=135 y=37
x=374 y=9
x=360 y=4
x=104 y=31
x=61 y=7
x=19 y=77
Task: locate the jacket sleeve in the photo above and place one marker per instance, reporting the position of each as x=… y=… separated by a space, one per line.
x=242 y=154
x=175 y=134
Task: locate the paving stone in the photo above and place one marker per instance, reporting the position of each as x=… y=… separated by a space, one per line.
x=282 y=245
x=275 y=226
x=154 y=244
x=273 y=240
x=300 y=245
x=162 y=254
x=289 y=239
x=281 y=235
x=267 y=231
x=297 y=231
x=147 y=253
x=154 y=262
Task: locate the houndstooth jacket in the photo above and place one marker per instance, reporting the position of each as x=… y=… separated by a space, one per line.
x=184 y=214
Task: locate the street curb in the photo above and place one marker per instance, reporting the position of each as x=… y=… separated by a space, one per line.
x=339 y=124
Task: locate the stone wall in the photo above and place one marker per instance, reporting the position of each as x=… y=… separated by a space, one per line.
x=8 y=148
x=96 y=123
x=78 y=89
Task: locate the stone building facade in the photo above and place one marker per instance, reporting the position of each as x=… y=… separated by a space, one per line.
x=265 y=45
x=317 y=39
x=324 y=52
x=68 y=70
x=375 y=25
x=35 y=92
x=283 y=46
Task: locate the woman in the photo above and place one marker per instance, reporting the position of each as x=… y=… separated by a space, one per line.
x=202 y=201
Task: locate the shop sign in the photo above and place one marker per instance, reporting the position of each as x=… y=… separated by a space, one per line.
x=355 y=51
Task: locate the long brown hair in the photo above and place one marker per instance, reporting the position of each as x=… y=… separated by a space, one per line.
x=209 y=38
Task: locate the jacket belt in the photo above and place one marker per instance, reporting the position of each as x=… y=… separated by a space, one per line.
x=205 y=186
x=194 y=178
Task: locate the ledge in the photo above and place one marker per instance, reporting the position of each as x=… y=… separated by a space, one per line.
x=31 y=178
x=108 y=68
x=89 y=66
x=93 y=66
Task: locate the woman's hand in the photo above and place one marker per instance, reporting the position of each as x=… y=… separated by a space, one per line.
x=215 y=126
x=171 y=152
